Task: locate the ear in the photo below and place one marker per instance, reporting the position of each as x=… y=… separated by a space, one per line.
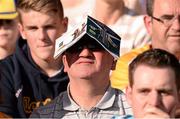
x=129 y=94
x=21 y=30
x=148 y=24
x=64 y=62
x=179 y=96
x=113 y=67
x=65 y=24
x=177 y=109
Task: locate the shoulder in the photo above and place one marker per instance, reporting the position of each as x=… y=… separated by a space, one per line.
x=16 y=62
x=7 y=60
x=136 y=23
x=133 y=53
x=7 y=66
x=138 y=19
x=119 y=77
x=120 y=96
x=12 y=60
x=123 y=61
x=122 y=102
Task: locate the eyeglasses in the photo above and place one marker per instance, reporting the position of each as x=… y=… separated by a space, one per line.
x=6 y=22
x=166 y=20
x=78 y=47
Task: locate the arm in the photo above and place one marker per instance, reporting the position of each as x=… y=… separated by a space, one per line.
x=8 y=104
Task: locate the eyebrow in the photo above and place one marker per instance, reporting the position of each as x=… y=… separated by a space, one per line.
x=167 y=15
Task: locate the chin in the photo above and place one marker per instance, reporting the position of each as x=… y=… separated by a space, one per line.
x=4 y=42
x=83 y=75
x=45 y=56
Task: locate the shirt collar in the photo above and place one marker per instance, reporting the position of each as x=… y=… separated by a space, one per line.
x=68 y=102
x=106 y=101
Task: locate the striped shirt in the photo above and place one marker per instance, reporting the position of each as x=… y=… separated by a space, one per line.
x=112 y=104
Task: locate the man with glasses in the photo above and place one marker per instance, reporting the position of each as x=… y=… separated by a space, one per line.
x=8 y=27
x=163 y=24
x=88 y=58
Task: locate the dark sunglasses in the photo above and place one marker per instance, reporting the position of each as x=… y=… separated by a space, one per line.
x=6 y=22
x=78 y=47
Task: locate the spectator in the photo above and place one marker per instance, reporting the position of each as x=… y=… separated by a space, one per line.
x=139 y=6
x=163 y=24
x=8 y=28
x=31 y=77
x=154 y=94
x=75 y=10
x=88 y=60
x=125 y=22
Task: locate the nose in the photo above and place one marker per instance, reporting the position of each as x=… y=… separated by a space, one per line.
x=154 y=99
x=176 y=23
x=85 y=52
x=41 y=34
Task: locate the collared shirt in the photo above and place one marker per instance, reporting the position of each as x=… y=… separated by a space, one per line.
x=112 y=104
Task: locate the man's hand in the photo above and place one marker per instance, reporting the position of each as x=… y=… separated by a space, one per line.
x=155 y=113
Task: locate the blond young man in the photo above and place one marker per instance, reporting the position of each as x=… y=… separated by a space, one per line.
x=31 y=77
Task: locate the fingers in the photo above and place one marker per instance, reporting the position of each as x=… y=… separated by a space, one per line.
x=155 y=113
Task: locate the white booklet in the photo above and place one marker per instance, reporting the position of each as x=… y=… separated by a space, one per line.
x=94 y=29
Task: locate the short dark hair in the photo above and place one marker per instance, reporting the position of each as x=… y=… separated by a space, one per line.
x=156 y=58
x=150 y=7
